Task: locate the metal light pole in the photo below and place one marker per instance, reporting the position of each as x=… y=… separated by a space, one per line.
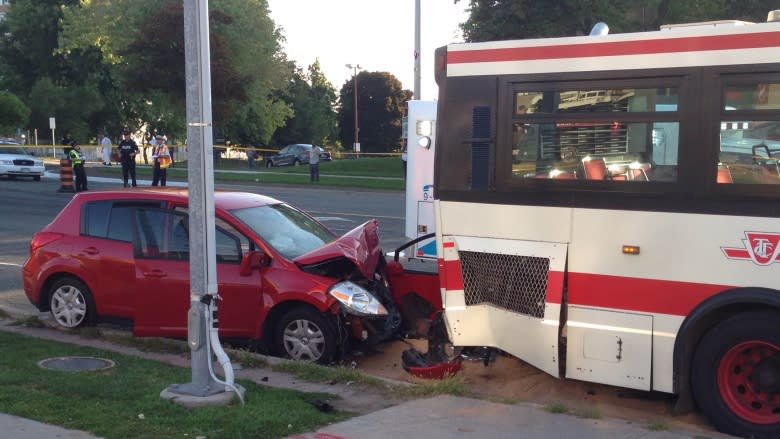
x=356 y=145
x=416 y=50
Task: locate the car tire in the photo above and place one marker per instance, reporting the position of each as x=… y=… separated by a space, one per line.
x=305 y=334
x=37 y=178
x=71 y=304
x=269 y=164
x=732 y=375
x=297 y=162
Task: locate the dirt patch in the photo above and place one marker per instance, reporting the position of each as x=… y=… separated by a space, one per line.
x=511 y=380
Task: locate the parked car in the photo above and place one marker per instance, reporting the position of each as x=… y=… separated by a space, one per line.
x=288 y=284
x=297 y=154
x=15 y=161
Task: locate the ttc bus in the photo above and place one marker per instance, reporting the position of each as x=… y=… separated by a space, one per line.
x=607 y=209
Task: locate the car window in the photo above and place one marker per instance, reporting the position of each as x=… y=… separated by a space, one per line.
x=284 y=150
x=230 y=243
x=112 y=219
x=286 y=229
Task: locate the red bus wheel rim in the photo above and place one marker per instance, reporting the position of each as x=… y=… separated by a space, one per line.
x=748 y=380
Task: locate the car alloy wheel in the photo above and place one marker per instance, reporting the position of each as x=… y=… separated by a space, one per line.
x=304 y=334
x=71 y=303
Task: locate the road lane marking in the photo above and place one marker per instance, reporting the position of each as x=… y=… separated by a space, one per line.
x=332 y=218
x=11 y=264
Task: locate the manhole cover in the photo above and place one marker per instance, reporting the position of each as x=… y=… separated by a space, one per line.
x=76 y=364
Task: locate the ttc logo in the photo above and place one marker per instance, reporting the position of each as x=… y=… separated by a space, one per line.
x=760 y=247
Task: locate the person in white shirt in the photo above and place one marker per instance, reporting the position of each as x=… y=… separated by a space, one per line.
x=314 y=162
x=105 y=144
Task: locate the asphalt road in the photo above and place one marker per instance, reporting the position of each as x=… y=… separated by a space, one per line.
x=29 y=205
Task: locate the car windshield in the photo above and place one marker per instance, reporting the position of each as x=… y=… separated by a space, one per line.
x=286 y=229
x=13 y=150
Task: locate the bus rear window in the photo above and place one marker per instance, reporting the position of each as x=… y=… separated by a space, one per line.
x=617 y=100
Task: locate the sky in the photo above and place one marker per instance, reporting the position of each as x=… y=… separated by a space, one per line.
x=376 y=34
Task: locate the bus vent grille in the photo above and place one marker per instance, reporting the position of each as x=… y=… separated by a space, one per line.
x=514 y=283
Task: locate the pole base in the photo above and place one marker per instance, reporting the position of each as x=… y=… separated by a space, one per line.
x=189 y=396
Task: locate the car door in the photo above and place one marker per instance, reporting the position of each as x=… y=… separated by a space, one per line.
x=105 y=248
x=285 y=156
x=162 y=277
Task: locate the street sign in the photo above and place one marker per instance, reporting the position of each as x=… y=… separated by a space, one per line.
x=52 y=123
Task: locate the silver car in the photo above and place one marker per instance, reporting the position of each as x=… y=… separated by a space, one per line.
x=15 y=161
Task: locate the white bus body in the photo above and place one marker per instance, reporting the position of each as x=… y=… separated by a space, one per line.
x=666 y=257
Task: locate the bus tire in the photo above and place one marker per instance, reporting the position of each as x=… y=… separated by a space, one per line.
x=736 y=373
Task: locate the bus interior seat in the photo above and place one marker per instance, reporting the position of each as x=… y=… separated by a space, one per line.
x=724 y=174
x=557 y=174
x=595 y=168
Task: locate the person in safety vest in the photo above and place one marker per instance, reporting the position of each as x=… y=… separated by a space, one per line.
x=77 y=158
x=162 y=160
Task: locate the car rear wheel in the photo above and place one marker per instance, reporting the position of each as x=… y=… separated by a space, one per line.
x=297 y=162
x=304 y=334
x=735 y=375
x=37 y=178
x=71 y=304
x=269 y=164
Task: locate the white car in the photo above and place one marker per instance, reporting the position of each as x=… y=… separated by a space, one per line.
x=15 y=161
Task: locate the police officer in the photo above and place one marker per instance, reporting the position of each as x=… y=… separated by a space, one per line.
x=77 y=158
x=128 y=149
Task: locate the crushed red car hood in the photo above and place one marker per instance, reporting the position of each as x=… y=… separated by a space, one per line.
x=360 y=245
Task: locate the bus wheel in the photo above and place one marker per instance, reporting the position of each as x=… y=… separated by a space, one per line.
x=735 y=375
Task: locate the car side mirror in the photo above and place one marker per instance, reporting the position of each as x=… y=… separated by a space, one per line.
x=253 y=260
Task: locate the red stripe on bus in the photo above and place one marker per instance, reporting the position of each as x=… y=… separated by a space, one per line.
x=450 y=275
x=616 y=48
x=738 y=253
x=448 y=244
x=634 y=294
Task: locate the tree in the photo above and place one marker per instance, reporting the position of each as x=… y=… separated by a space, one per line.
x=381 y=103
x=491 y=20
x=142 y=41
x=32 y=67
x=13 y=113
x=313 y=99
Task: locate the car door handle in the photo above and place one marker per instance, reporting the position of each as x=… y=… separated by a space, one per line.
x=155 y=273
x=91 y=251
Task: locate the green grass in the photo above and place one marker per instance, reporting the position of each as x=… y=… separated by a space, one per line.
x=110 y=403
x=556 y=407
x=321 y=374
x=658 y=425
x=372 y=173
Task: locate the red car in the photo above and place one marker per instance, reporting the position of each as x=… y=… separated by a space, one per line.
x=286 y=282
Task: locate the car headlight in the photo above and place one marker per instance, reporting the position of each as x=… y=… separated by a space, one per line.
x=6 y=162
x=356 y=300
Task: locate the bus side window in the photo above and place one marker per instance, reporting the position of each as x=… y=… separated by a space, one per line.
x=749 y=152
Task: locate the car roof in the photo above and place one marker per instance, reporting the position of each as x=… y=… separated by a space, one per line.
x=228 y=200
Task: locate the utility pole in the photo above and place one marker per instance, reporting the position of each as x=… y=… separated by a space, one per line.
x=417 y=72
x=203 y=389
x=356 y=145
